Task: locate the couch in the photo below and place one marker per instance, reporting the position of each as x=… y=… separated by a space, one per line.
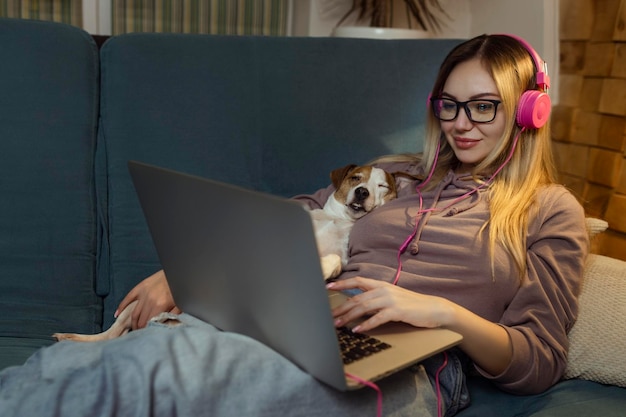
x=272 y=114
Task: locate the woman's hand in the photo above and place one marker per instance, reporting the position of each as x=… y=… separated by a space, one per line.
x=384 y=302
x=153 y=297
x=487 y=343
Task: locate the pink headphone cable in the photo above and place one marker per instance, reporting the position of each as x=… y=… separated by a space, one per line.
x=421 y=211
x=379 y=393
x=405 y=245
x=438 y=385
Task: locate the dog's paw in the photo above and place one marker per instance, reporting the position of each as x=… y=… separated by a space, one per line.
x=120 y=327
x=76 y=337
x=331 y=265
x=61 y=336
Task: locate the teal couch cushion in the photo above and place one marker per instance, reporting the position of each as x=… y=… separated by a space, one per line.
x=570 y=398
x=48 y=121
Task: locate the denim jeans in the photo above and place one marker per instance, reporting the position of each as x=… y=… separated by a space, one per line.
x=452 y=381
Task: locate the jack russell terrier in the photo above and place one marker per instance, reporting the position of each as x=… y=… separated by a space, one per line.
x=359 y=190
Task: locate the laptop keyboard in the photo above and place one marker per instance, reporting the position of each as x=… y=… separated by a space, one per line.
x=355 y=346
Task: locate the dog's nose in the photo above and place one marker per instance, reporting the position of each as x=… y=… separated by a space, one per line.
x=361 y=193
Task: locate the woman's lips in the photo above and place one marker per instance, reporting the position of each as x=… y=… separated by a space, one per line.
x=464 y=143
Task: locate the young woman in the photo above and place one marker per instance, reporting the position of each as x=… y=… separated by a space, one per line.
x=480 y=240
x=495 y=248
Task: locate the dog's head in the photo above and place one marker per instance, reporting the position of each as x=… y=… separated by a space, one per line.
x=362 y=188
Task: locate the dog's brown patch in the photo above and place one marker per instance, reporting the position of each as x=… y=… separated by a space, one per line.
x=344 y=179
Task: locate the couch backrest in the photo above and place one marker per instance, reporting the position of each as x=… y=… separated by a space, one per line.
x=48 y=231
x=273 y=114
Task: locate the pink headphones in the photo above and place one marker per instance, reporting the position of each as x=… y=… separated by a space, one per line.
x=533 y=109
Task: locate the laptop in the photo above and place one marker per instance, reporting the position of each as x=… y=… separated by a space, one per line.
x=247 y=262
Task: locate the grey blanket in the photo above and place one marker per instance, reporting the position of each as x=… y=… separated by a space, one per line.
x=190 y=370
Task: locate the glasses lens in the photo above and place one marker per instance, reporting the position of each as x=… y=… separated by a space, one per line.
x=481 y=111
x=445 y=109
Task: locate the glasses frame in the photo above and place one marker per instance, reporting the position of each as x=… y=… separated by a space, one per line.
x=464 y=104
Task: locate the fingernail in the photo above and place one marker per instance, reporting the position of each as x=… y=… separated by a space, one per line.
x=356 y=329
x=117 y=313
x=330 y=285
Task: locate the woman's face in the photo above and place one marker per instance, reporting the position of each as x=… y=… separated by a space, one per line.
x=471 y=141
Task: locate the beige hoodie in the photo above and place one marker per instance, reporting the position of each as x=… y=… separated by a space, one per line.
x=447 y=258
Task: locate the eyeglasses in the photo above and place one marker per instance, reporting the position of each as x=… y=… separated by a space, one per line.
x=478 y=111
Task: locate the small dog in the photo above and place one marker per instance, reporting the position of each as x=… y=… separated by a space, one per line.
x=359 y=190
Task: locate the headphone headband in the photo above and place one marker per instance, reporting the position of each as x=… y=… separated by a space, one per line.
x=543 y=80
x=534 y=107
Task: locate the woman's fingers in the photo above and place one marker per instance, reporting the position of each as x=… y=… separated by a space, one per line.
x=382 y=302
x=364 y=284
x=374 y=301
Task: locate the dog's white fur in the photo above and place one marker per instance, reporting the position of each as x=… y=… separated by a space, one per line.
x=359 y=190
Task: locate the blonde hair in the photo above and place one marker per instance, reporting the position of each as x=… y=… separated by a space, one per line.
x=512 y=193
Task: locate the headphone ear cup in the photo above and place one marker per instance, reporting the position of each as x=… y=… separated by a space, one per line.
x=533 y=109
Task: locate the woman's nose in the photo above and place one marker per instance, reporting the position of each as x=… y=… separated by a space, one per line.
x=462 y=121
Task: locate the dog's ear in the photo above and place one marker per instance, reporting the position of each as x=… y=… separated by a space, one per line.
x=393 y=187
x=402 y=179
x=337 y=175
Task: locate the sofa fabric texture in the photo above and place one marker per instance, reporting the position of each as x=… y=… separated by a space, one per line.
x=255 y=112
x=49 y=99
x=271 y=114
